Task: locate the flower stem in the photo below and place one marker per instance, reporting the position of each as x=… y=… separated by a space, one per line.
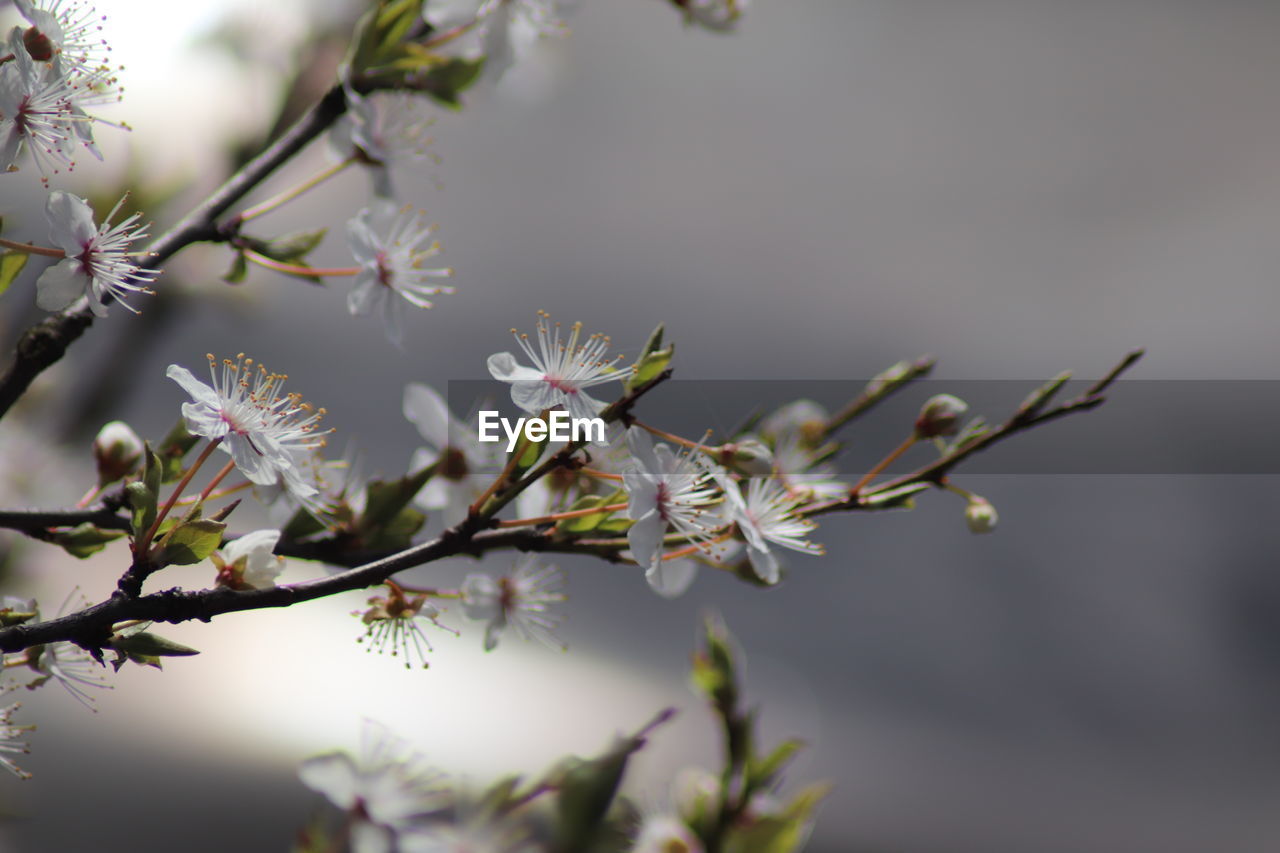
x=675 y=439
x=560 y=516
x=143 y=545
x=297 y=269
x=89 y=496
x=32 y=250
x=884 y=463
x=290 y=194
x=218 y=478
x=698 y=546
x=602 y=475
x=450 y=34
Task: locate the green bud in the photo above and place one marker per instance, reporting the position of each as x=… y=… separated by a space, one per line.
x=117 y=451
x=940 y=416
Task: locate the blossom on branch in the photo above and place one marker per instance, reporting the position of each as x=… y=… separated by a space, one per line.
x=35 y=111
x=502 y=31
x=392 y=246
x=561 y=372
x=98 y=263
x=521 y=600
x=385 y=793
x=248 y=562
x=67 y=35
x=452 y=446
x=393 y=622
x=767 y=514
x=261 y=427
x=382 y=130
x=669 y=492
x=9 y=743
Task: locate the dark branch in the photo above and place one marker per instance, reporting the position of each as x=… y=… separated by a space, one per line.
x=46 y=342
x=936 y=472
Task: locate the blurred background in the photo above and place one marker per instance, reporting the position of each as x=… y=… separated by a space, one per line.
x=1017 y=186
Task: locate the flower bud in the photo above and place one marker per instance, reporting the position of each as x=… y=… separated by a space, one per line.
x=117 y=450
x=749 y=456
x=980 y=515
x=940 y=416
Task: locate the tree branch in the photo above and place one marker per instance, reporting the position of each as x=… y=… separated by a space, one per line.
x=41 y=346
x=1024 y=419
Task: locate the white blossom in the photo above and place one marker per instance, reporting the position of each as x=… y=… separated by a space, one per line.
x=666 y=492
x=461 y=459
x=521 y=600
x=394 y=624
x=392 y=247
x=35 y=111
x=70 y=666
x=801 y=468
x=261 y=427
x=562 y=370
x=501 y=31
x=97 y=263
x=385 y=792
x=767 y=514
x=9 y=743
x=68 y=35
x=384 y=130
x=248 y=561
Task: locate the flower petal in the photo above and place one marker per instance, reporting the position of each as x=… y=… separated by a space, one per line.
x=60 y=285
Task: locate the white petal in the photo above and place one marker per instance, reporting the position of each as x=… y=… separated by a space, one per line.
x=765 y=564
x=333 y=775
x=264 y=540
x=70 y=222
x=645 y=538
x=60 y=285
x=427 y=410
x=640 y=443
x=670 y=578
x=364 y=293
x=199 y=392
x=504 y=367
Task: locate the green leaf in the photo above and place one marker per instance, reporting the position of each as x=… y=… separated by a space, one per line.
x=150 y=645
x=174 y=447
x=446 y=82
x=763 y=772
x=653 y=359
x=142 y=505
x=385 y=499
x=239 y=269
x=396 y=534
x=152 y=470
x=293 y=247
x=588 y=786
x=1040 y=397
x=192 y=541
x=783 y=832
x=11 y=263
x=585 y=523
x=715 y=671
x=85 y=540
x=302 y=525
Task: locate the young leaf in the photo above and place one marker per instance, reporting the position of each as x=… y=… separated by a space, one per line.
x=11 y=263
x=86 y=540
x=192 y=541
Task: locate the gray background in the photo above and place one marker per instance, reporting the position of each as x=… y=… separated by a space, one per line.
x=1017 y=187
